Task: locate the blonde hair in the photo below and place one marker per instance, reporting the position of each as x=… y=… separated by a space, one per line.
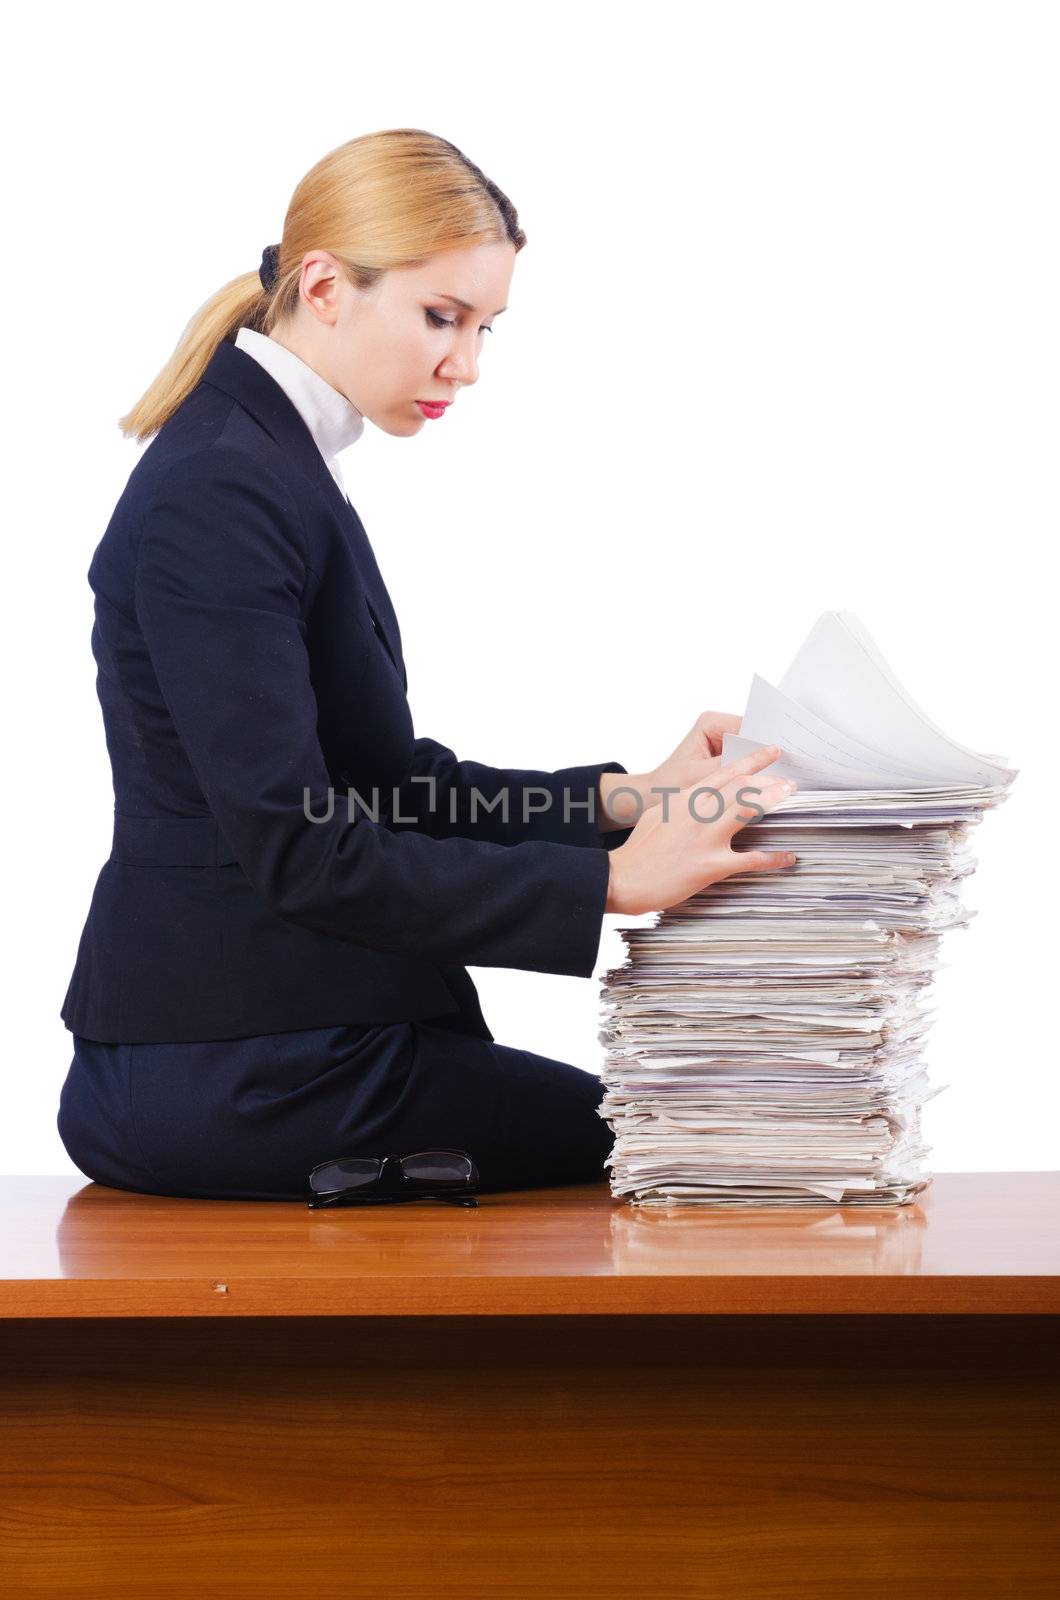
x=384 y=200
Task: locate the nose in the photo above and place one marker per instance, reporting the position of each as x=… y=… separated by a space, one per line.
x=461 y=365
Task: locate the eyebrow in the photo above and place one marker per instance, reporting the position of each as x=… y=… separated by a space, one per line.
x=463 y=303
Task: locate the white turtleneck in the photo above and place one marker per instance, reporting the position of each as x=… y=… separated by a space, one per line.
x=333 y=420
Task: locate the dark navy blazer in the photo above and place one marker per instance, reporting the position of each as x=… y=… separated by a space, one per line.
x=250 y=671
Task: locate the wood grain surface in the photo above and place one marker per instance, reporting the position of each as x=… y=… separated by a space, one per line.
x=975 y=1244
x=758 y=1458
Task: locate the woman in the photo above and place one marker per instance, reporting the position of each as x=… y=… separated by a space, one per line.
x=272 y=971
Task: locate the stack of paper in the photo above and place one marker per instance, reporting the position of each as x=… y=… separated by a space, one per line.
x=765 y=1039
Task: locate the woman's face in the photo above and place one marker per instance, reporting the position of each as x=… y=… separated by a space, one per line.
x=406 y=340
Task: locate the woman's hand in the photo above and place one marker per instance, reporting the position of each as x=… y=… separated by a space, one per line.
x=680 y=848
x=695 y=759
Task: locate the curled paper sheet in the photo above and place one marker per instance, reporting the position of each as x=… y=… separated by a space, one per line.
x=765 y=1040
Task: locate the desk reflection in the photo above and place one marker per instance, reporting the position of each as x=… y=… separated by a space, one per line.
x=829 y=1240
x=580 y=1231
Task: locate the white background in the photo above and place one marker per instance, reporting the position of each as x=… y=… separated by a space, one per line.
x=783 y=339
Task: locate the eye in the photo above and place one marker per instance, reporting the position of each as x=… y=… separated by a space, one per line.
x=444 y=322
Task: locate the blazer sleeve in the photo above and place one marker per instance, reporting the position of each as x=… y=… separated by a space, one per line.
x=448 y=798
x=221 y=567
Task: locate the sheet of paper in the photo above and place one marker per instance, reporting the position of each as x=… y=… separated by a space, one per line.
x=841 y=677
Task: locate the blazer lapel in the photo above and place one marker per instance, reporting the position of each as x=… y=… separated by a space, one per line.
x=380 y=607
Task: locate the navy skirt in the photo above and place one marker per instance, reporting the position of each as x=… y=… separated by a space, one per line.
x=246 y=1119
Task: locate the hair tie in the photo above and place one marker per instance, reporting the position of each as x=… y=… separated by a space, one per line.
x=269 y=271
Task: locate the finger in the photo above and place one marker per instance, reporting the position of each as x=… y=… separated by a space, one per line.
x=753 y=788
x=748 y=800
x=748 y=790
x=749 y=763
x=761 y=860
x=735 y=806
x=714 y=725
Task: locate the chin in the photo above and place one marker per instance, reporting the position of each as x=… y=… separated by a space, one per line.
x=400 y=427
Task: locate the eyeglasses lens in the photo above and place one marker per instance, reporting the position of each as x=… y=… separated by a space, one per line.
x=349 y=1174
x=436 y=1166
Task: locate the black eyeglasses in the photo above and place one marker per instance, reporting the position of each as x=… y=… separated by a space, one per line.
x=447 y=1175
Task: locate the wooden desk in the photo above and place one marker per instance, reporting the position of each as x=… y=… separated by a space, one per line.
x=553 y=1395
